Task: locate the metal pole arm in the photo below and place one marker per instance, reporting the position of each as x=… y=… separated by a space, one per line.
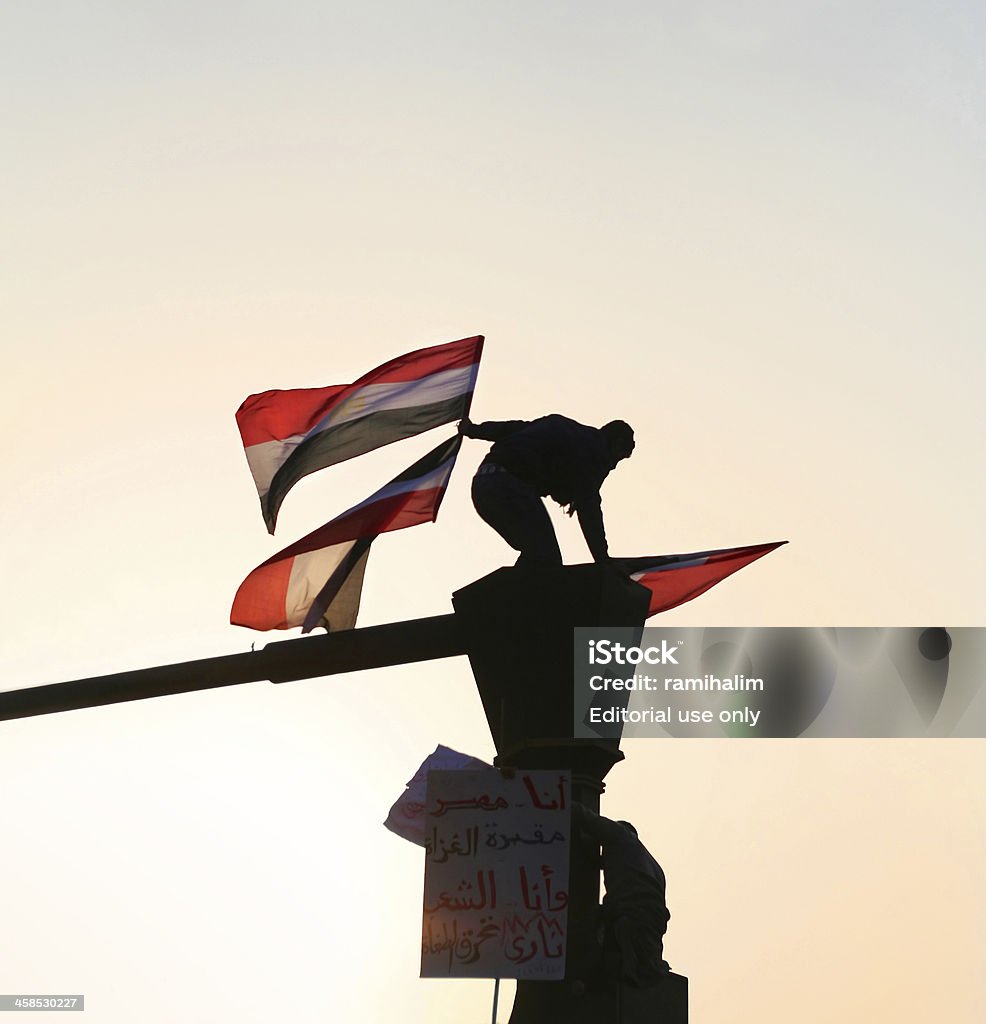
x=282 y=661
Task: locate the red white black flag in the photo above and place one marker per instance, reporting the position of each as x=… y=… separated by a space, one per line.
x=675 y=579
x=289 y=434
x=318 y=579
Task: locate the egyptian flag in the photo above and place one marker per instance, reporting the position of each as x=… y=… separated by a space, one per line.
x=318 y=580
x=289 y=434
x=675 y=579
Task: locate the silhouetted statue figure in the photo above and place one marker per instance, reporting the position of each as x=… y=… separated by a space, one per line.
x=552 y=456
x=634 y=912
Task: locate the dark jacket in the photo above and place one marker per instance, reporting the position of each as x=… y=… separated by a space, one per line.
x=559 y=458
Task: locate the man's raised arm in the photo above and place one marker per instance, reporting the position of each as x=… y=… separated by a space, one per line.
x=491 y=430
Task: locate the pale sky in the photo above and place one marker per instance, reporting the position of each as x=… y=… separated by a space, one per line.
x=753 y=230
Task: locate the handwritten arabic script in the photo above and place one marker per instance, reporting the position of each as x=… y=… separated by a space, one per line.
x=496 y=875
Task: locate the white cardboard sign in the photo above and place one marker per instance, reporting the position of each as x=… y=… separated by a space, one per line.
x=496 y=874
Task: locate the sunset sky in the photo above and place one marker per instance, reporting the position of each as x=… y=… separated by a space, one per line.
x=753 y=230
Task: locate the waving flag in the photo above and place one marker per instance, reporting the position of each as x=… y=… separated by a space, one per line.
x=289 y=434
x=318 y=579
x=407 y=816
x=675 y=579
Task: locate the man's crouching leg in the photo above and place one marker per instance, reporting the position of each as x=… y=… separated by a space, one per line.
x=518 y=515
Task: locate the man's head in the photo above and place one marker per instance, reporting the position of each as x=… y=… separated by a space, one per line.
x=619 y=439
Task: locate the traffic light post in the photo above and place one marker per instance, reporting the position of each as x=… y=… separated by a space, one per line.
x=515 y=626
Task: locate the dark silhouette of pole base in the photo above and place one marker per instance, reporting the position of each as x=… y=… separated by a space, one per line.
x=517 y=626
x=562 y=1002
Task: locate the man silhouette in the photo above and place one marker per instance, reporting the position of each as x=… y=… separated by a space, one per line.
x=551 y=456
x=634 y=911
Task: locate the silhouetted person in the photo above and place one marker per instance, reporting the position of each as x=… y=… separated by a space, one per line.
x=551 y=456
x=634 y=912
